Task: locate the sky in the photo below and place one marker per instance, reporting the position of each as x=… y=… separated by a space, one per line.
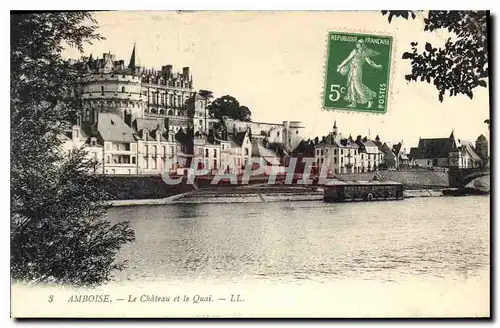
x=273 y=63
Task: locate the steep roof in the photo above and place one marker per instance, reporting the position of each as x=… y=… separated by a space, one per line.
x=132 y=59
x=149 y=123
x=380 y=145
x=481 y=138
x=416 y=153
x=369 y=143
x=338 y=141
x=470 y=150
x=258 y=150
x=397 y=148
x=238 y=138
x=112 y=128
x=437 y=147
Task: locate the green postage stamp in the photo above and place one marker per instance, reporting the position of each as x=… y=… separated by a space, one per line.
x=357 y=73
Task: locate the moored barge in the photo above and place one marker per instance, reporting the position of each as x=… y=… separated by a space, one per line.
x=348 y=191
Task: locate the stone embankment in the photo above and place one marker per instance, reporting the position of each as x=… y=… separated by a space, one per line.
x=411 y=180
x=152 y=190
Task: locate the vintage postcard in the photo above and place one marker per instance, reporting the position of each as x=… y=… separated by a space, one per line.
x=250 y=164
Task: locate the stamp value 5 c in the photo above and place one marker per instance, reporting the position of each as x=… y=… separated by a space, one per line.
x=357 y=72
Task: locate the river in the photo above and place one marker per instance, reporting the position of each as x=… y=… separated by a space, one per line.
x=292 y=242
x=420 y=257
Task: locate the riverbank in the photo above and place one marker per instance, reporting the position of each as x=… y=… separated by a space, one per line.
x=152 y=190
x=259 y=194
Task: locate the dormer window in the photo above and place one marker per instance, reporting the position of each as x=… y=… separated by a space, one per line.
x=93 y=141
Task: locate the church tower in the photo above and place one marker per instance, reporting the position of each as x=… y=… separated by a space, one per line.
x=335 y=130
x=482 y=147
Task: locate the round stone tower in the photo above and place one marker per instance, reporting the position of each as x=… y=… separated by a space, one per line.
x=109 y=86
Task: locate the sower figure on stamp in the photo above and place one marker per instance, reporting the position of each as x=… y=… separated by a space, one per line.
x=357 y=92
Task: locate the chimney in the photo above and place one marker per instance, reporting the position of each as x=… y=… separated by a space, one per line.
x=168 y=70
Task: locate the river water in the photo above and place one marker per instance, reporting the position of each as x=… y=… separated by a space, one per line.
x=295 y=242
x=420 y=257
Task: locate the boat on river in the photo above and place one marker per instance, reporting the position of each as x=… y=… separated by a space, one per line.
x=349 y=191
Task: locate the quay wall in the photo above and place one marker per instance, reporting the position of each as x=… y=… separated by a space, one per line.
x=409 y=179
x=143 y=187
x=153 y=187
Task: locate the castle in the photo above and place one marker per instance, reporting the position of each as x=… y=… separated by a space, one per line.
x=144 y=121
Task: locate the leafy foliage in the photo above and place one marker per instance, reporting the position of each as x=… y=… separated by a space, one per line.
x=462 y=64
x=305 y=147
x=58 y=228
x=398 y=13
x=229 y=106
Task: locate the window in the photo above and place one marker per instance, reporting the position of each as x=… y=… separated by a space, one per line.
x=297 y=132
x=164 y=150
x=146 y=162
x=172 y=150
x=215 y=152
x=102 y=90
x=93 y=141
x=107 y=159
x=341 y=152
x=342 y=160
x=133 y=159
x=278 y=134
x=154 y=150
x=215 y=163
x=206 y=153
x=123 y=89
x=146 y=149
x=246 y=151
x=335 y=160
x=335 y=152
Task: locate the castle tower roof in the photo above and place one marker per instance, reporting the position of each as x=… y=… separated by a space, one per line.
x=132 y=63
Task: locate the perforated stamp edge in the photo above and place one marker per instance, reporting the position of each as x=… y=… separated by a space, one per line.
x=391 y=75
